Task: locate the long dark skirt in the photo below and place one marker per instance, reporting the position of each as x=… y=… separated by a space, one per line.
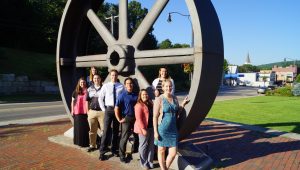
x=81 y=130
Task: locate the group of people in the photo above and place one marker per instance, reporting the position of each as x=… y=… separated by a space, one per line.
x=114 y=108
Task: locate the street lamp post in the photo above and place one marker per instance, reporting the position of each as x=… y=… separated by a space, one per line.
x=291 y=59
x=112 y=20
x=185 y=15
x=293 y=74
x=192 y=31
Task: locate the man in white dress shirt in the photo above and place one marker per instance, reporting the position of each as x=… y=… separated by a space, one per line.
x=107 y=100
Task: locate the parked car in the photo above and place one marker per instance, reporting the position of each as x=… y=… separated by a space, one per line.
x=272 y=87
x=262 y=90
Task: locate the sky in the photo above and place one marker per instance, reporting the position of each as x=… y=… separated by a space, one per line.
x=269 y=30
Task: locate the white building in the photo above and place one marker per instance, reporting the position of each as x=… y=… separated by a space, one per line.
x=247 y=79
x=263 y=78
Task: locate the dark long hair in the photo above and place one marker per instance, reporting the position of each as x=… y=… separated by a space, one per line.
x=149 y=102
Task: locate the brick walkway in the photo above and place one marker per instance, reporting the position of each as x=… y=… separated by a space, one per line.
x=28 y=147
x=237 y=148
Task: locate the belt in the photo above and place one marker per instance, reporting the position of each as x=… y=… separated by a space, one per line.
x=130 y=116
x=110 y=107
x=96 y=109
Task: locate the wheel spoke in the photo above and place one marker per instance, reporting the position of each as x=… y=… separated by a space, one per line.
x=165 y=56
x=91 y=60
x=148 y=22
x=143 y=83
x=101 y=28
x=123 y=21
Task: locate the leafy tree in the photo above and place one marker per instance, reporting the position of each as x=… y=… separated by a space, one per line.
x=247 y=68
x=165 y=44
x=297 y=78
x=31 y=24
x=225 y=66
x=135 y=17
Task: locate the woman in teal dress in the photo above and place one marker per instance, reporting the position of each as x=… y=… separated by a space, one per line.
x=166 y=109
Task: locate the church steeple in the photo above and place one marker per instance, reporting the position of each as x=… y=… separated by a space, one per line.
x=247 y=59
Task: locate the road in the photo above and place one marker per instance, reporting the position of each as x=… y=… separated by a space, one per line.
x=26 y=113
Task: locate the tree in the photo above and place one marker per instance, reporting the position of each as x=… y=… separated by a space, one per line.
x=135 y=16
x=33 y=24
x=30 y=24
x=264 y=79
x=247 y=68
x=297 y=78
x=165 y=44
x=225 y=66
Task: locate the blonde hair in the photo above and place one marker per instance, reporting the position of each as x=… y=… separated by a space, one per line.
x=91 y=73
x=166 y=81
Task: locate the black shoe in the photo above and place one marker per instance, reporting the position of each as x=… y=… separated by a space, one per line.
x=102 y=157
x=129 y=157
x=115 y=154
x=123 y=160
x=91 y=149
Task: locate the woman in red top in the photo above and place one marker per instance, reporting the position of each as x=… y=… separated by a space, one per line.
x=79 y=112
x=143 y=126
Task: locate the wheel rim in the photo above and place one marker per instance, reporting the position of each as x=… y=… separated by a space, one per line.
x=123 y=55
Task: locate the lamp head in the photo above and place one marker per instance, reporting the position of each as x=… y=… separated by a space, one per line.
x=169 y=18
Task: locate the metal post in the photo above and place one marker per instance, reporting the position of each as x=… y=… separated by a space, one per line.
x=112 y=20
x=192 y=32
x=185 y=15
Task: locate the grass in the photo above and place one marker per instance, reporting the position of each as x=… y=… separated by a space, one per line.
x=275 y=112
x=37 y=66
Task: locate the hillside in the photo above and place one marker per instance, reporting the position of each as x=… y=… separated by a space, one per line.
x=37 y=66
x=280 y=64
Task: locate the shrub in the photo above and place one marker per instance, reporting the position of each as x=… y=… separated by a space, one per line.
x=270 y=93
x=297 y=78
x=296 y=89
x=282 y=91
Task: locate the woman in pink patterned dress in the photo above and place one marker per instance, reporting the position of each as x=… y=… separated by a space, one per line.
x=79 y=112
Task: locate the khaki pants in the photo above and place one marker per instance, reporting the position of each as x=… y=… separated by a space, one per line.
x=95 y=118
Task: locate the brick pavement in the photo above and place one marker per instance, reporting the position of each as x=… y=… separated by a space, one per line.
x=238 y=148
x=28 y=147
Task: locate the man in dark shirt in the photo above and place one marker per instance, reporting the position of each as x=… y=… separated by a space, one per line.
x=95 y=115
x=124 y=111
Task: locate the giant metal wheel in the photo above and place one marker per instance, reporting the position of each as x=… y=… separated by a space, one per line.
x=123 y=55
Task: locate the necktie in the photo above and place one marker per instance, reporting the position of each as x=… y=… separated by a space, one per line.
x=114 y=94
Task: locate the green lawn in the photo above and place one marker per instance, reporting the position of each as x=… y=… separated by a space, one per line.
x=37 y=66
x=280 y=113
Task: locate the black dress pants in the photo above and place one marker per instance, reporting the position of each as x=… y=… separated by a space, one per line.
x=126 y=131
x=105 y=140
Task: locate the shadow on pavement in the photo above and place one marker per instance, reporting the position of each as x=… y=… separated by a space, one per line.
x=229 y=145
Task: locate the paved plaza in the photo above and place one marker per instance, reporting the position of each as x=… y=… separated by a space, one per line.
x=231 y=147
x=42 y=145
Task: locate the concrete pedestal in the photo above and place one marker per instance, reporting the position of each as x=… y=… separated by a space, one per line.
x=69 y=133
x=190 y=157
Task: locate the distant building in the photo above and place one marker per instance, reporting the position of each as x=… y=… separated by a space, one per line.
x=266 y=78
x=247 y=60
x=247 y=79
x=263 y=78
x=231 y=77
x=286 y=74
